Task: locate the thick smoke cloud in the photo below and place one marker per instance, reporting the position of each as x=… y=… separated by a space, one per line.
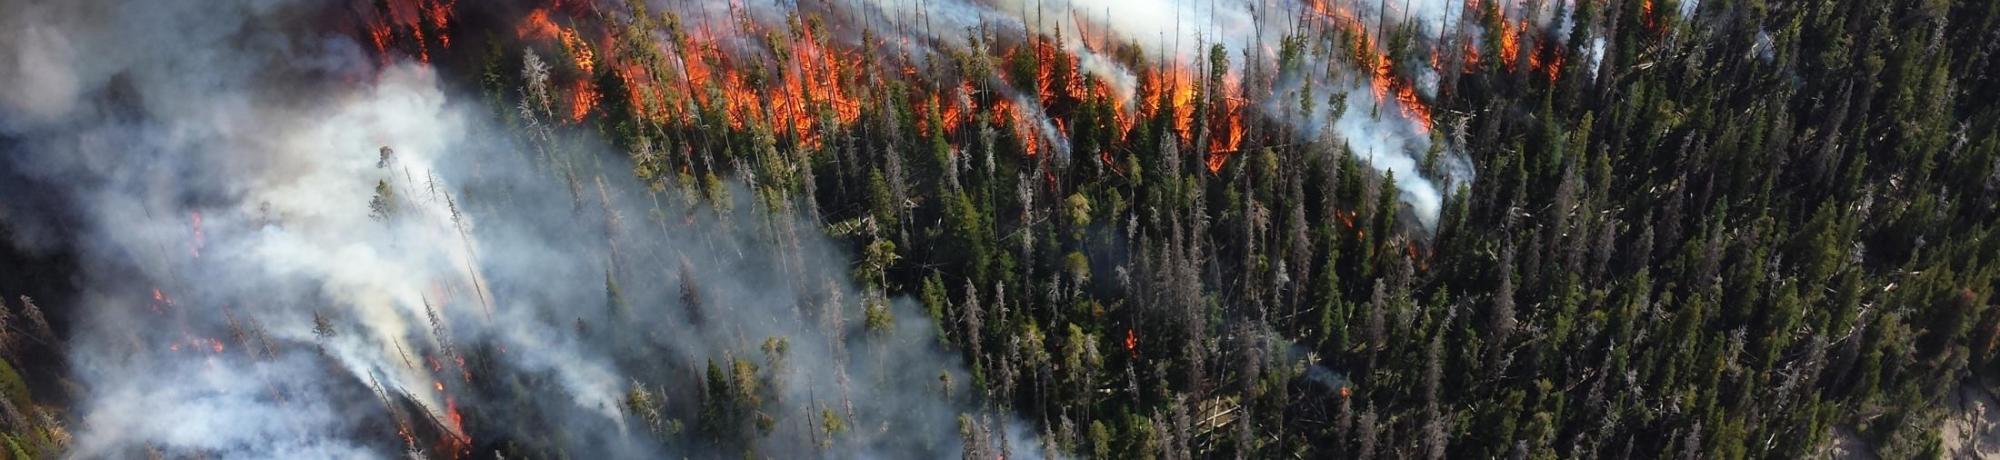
x=289 y=251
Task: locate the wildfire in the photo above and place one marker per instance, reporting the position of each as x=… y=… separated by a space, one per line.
x=1030 y=142
x=160 y=302
x=1510 y=43
x=794 y=81
x=812 y=82
x=1382 y=79
x=452 y=415
x=454 y=442
x=1379 y=82
x=537 y=25
x=1132 y=342
x=1150 y=93
x=583 y=98
x=1646 y=13
x=1045 y=71
x=1551 y=67
x=579 y=51
x=1230 y=137
x=952 y=115
x=440 y=16
x=1182 y=104
x=1555 y=66
x=1121 y=110
x=379 y=34
x=1413 y=108
x=416 y=19
x=583 y=94
x=639 y=90
x=1334 y=13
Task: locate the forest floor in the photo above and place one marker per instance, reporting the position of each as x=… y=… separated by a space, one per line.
x=1972 y=429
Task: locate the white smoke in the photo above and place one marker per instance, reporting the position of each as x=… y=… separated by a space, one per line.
x=226 y=154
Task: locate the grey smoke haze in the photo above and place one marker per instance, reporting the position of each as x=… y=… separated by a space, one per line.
x=225 y=153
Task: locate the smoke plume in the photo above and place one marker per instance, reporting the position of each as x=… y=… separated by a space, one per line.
x=291 y=250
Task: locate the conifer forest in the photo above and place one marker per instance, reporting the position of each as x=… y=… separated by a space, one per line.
x=1000 y=229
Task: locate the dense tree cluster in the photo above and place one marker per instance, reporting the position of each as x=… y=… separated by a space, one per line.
x=1736 y=233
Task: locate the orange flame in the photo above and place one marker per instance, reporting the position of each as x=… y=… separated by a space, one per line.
x=1030 y=142
x=1003 y=110
x=1121 y=111
x=1510 y=43
x=583 y=99
x=952 y=115
x=1646 y=13
x=579 y=51
x=812 y=83
x=1045 y=71
x=537 y=25
x=1413 y=108
x=451 y=413
x=1183 y=107
x=1380 y=80
x=379 y=34
x=1230 y=137
x=413 y=18
x=1551 y=67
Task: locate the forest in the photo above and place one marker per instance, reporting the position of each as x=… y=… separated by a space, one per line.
x=1003 y=229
